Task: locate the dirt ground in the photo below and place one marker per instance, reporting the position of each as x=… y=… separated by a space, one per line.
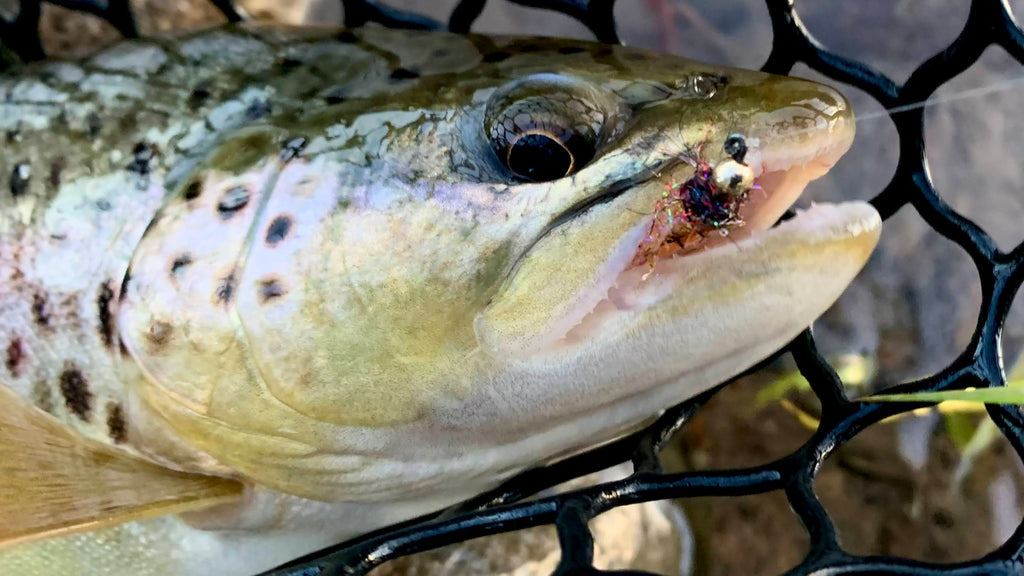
x=879 y=503
x=910 y=312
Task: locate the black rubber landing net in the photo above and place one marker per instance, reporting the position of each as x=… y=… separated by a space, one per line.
x=979 y=365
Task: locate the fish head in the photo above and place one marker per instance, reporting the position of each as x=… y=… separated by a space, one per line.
x=456 y=295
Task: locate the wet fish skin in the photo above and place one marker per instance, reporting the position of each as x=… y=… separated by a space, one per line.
x=283 y=254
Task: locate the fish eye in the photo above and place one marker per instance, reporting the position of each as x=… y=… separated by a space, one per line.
x=546 y=126
x=539 y=157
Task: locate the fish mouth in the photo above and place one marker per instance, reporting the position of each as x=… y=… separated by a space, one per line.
x=778 y=183
x=780 y=179
x=621 y=288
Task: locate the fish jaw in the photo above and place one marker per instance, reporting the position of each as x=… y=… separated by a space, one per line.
x=696 y=322
x=625 y=341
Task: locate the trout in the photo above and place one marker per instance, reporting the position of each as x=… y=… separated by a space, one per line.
x=264 y=288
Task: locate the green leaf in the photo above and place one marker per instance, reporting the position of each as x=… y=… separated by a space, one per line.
x=961 y=428
x=853 y=369
x=779 y=387
x=985 y=435
x=1013 y=394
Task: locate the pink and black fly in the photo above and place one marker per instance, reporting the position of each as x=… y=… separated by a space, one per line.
x=706 y=202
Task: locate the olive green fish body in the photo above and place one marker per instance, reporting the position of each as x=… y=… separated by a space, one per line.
x=370 y=273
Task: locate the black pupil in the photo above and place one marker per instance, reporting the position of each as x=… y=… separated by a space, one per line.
x=539 y=158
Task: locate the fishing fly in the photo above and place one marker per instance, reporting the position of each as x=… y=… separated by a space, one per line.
x=707 y=202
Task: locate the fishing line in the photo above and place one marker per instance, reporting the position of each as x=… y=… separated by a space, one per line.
x=990 y=88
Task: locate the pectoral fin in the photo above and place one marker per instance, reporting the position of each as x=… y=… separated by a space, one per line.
x=54 y=482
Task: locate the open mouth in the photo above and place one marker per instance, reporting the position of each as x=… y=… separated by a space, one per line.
x=775 y=191
x=631 y=286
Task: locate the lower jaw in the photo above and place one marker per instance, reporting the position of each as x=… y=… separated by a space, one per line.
x=639 y=288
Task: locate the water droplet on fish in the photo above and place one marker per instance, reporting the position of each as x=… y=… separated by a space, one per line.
x=705 y=86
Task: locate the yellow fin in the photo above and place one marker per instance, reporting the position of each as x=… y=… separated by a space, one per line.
x=55 y=482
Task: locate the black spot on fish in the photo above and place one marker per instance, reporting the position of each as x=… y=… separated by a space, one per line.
x=226 y=289
x=56 y=170
x=347 y=37
x=257 y=110
x=40 y=312
x=404 y=74
x=570 y=50
x=75 y=390
x=179 y=264
x=494 y=57
x=199 y=95
x=334 y=98
x=159 y=333
x=15 y=356
x=292 y=148
x=93 y=124
x=103 y=299
x=440 y=53
x=193 y=190
x=142 y=154
x=103 y=205
x=288 y=63
x=13 y=136
x=270 y=289
x=117 y=426
x=20 y=178
x=278 y=229
x=232 y=202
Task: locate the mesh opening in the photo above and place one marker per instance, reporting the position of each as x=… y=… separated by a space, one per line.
x=979 y=364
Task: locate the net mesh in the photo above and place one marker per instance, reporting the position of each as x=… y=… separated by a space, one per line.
x=510 y=508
